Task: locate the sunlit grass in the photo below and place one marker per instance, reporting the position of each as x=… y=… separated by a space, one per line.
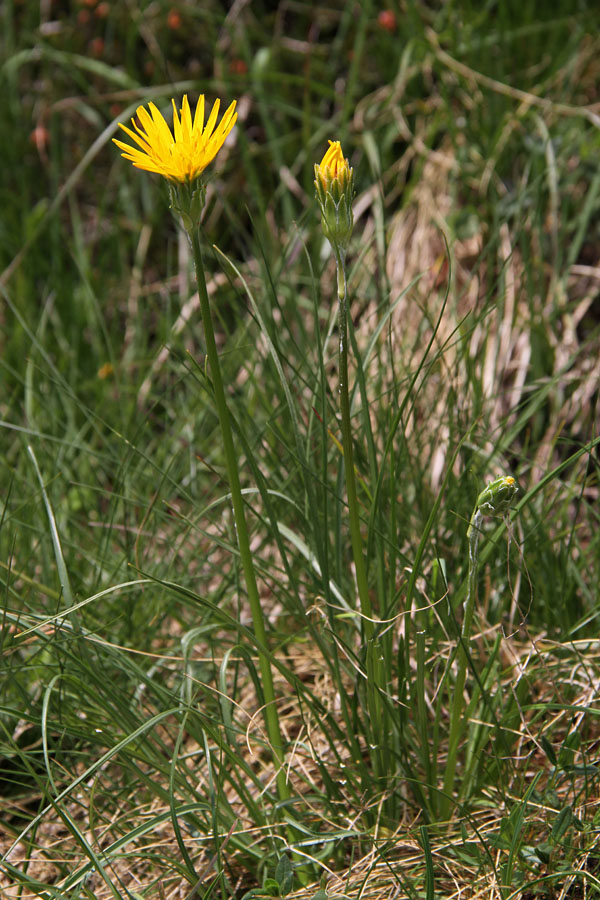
x=134 y=756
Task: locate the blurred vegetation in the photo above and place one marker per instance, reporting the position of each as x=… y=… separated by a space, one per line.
x=473 y=130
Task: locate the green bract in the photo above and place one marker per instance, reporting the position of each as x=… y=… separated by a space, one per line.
x=187 y=200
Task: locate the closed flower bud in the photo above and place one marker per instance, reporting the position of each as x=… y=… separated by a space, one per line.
x=335 y=191
x=497 y=498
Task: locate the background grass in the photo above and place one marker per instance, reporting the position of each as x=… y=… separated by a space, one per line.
x=134 y=762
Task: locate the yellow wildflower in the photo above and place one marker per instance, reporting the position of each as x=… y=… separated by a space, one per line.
x=106 y=370
x=181 y=155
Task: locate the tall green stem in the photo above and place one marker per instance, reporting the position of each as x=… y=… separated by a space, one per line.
x=377 y=711
x=494 y=500
x=270 y=711
x=456 y=723
x=355 y=535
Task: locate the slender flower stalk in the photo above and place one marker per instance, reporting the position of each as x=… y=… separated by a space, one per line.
x=335 y=190
x=495 y=500
x=181 y=157
x=349 y=470
x=231 y=459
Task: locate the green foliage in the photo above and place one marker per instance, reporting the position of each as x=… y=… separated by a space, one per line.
x=133 y=757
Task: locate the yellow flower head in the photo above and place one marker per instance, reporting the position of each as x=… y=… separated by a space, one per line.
x=183 y=155
x=333 y=165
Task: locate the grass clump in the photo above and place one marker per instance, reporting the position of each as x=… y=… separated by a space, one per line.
x=417 y=755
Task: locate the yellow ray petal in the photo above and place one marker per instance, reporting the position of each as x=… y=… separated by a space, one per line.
x=211 y=119
x=199 y=116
